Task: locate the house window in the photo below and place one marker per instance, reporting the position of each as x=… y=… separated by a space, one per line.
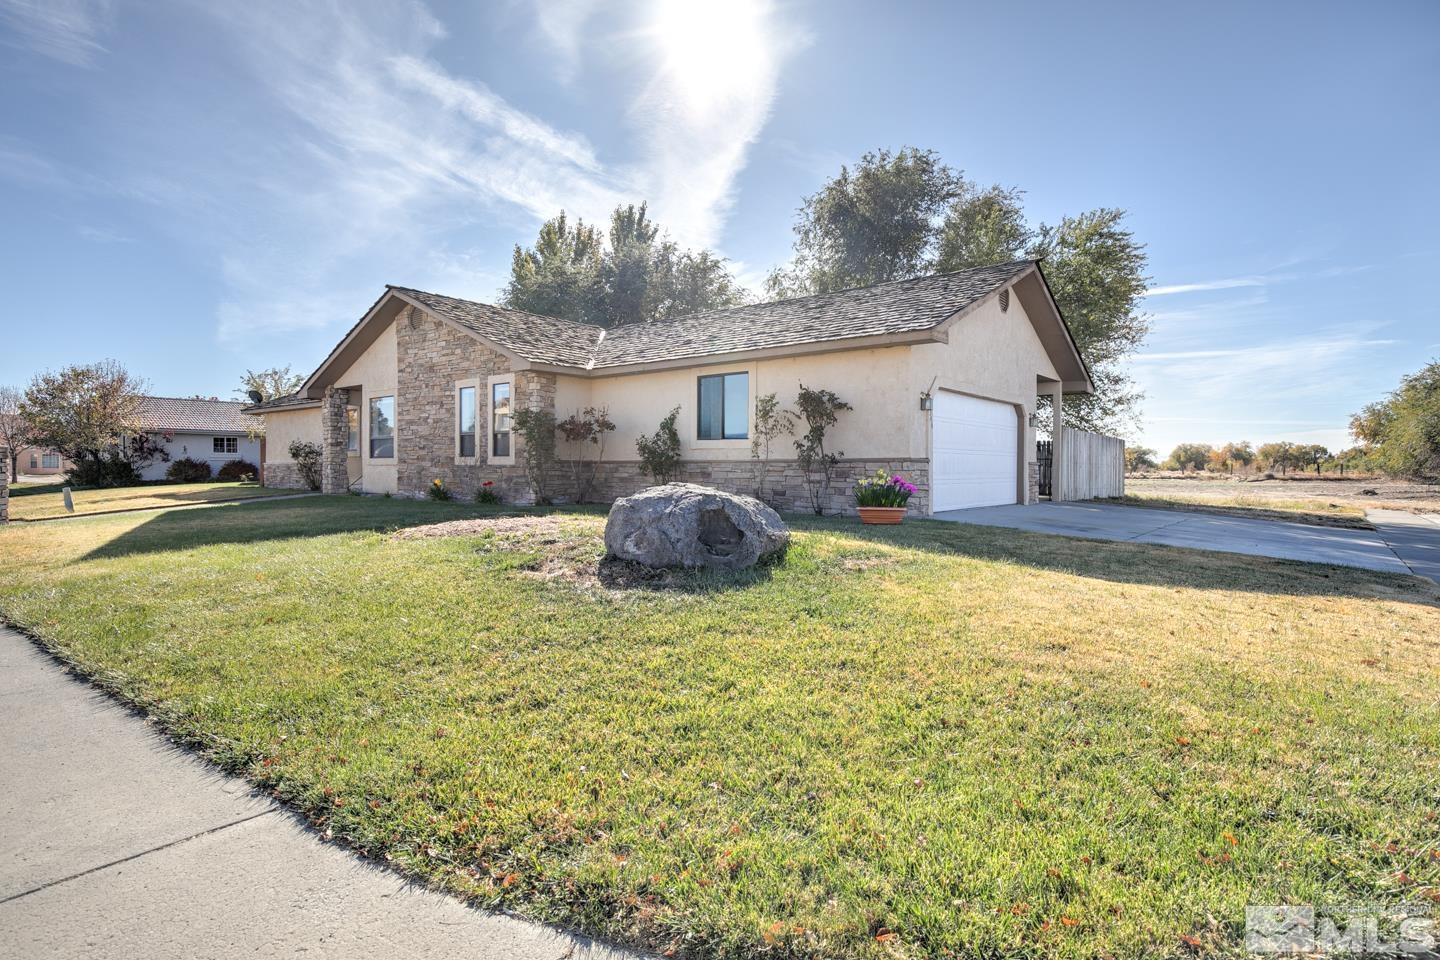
x=466 y=408
x=34 y=462
x=500 y=419
x=382 y=428
x=352 y=431
x=50 y=461
x=225 y=444
x=725 y=406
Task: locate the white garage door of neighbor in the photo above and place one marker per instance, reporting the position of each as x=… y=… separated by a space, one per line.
x=975 y=462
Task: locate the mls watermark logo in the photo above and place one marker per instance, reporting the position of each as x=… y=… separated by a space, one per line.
x=1397 y=931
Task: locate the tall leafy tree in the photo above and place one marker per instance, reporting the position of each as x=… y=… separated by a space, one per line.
x=271 y=383
x=1401 y=434
x=1189 y=456
x=904 y=214
x=630 y=274
x=84 y=411
x=15 y=430
x=875 y=222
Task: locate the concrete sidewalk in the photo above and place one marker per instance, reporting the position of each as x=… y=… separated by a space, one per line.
x=1415 y=538
x=115 y=844
x=1204 y=531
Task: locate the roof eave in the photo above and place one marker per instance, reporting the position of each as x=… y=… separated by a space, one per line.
x=837 y=345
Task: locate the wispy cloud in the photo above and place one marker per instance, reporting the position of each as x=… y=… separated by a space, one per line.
x=394 y=152
x=67 y=30
x=104 y=235
x=563 y=25
x=1229 y=283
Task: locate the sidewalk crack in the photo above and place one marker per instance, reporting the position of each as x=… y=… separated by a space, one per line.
x=136 y=856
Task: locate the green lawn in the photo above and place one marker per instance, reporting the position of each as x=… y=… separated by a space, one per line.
x=41 y=501
x=927 y=741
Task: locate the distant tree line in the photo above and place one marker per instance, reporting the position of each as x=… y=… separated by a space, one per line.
x=1281 y=457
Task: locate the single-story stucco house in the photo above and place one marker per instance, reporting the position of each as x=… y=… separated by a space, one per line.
x=213 y=431
x=943 y=374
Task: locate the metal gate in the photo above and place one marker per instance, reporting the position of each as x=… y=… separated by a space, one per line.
x=1042 y=457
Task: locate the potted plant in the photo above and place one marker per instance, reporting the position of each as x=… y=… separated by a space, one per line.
x=882 y=498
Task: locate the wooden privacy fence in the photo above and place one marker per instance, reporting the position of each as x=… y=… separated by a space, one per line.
x=1091 y=466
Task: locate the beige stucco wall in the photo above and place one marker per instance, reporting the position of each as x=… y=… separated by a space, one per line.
x=283 y=427
x=373 y=374
x=874 y=382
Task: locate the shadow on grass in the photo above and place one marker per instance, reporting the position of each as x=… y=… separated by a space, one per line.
x=35 y=489
x=1136 y=563
x=245 y=522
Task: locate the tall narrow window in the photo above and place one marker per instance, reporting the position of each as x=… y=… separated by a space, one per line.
x=382 y=428
x=724 y=404
x=352 y=431
x=500 y=419
x=466 y=407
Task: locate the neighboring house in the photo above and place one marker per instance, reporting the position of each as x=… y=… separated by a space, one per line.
x=40 y=462
x=215 y=431
x=943 y=374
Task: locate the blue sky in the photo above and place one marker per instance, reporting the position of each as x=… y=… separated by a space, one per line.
x=195 y=188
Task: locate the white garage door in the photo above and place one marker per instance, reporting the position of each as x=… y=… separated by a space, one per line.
x=975 y=462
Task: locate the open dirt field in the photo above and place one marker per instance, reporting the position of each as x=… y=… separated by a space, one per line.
x=1297 y=493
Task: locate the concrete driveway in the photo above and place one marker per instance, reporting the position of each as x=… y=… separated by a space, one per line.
x=114 y=844
x=1407 y=536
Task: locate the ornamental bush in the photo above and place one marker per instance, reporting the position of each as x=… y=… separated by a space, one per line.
x=237 y=471
x=188 y=470
x=307 y=462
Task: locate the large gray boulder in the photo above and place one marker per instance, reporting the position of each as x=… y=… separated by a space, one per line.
x=686 y=525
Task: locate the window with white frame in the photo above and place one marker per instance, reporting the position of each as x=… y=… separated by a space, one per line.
x=382 y=428
x=724 y=405
x=352 y=431
x=50 y=461
x=225 y=444
x=500 y=419
x=465 y=406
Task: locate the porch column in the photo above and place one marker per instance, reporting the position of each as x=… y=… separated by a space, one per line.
x=4 y=484
x=333 y=444
x=1057 y=439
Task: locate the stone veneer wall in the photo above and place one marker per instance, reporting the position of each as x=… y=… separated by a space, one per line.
x=334 y=427
x=431 y=356
x=1032 y=482
x=284 y=476
x=785 y=487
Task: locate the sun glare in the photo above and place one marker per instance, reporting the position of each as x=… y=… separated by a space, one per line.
x=711 y=49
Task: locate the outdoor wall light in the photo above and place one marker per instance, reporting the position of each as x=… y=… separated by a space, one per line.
x=927 y=402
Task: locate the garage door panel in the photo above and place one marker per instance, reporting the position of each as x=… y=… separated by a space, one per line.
x=974 y=459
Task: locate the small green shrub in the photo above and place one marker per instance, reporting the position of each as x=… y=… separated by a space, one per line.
x=485 y=493
x=660 y=452
x=188 y=470
x=437 y=490
x=307 y=461
x=237 y=471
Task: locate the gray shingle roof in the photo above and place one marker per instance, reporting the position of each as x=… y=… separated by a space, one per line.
x=900 y=306
x=529 y=335
x=194 y=416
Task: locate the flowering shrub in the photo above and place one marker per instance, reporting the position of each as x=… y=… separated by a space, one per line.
x=438 y=490
x=485 y=493
x=883 y=490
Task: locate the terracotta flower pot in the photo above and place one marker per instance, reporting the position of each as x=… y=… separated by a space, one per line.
x=881 y=514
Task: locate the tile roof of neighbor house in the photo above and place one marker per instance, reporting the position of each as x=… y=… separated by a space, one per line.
x=194 y=416
x=899 y=306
